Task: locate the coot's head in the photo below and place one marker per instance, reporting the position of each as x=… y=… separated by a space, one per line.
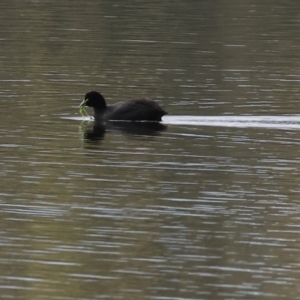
x=93 y=99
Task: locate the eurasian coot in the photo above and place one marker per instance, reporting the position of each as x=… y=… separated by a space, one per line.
x=133 y=110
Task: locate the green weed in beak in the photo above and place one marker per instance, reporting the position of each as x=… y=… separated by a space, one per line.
x=82 y=111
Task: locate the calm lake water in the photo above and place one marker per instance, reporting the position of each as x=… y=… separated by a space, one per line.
x=205 y=205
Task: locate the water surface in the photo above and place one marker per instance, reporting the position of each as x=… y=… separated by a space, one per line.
x=205 y=206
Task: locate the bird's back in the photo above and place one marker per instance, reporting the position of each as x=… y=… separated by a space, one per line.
x=135 y=110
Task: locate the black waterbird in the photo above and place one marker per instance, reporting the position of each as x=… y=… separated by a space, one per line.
x=133 y=110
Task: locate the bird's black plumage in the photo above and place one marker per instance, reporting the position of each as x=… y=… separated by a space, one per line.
x=133 y=110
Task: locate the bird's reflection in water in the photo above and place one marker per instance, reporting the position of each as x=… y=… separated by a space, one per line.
x=97 y=131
